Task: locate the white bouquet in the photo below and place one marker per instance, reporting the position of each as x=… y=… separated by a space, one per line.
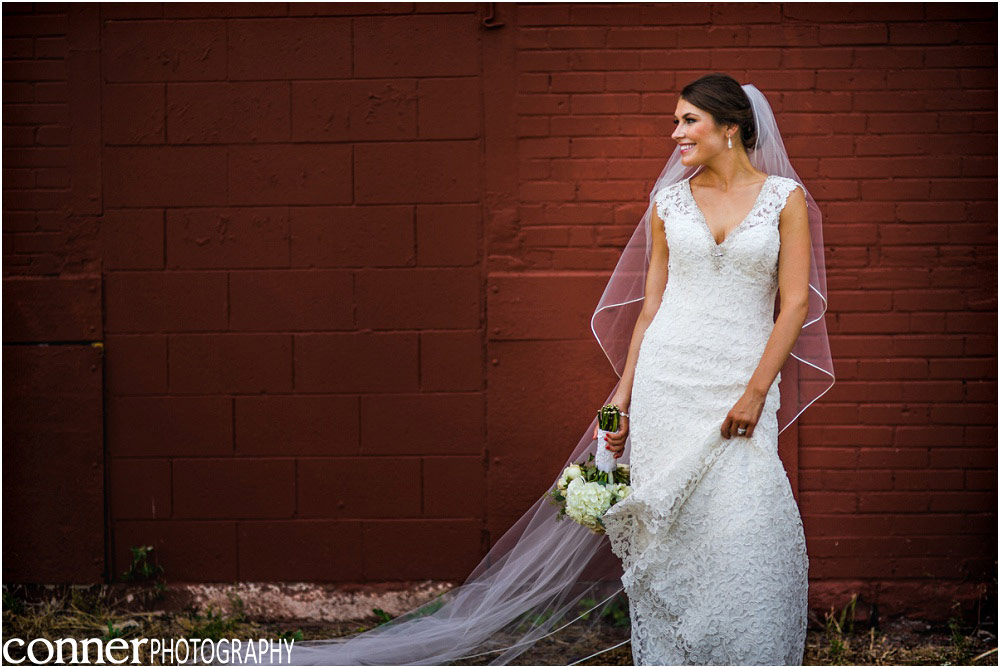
x=584 y=493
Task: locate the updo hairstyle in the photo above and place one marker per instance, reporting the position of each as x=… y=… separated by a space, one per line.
x=723 y=97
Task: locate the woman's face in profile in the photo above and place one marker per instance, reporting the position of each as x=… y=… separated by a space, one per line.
x=696 y=133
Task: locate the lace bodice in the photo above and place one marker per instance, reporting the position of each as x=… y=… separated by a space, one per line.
x=754 y=258
x=728 y=289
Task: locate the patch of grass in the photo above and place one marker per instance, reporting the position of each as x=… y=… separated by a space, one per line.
x=382 y=615
x=12 y=604
x=838 y=629
x=899 y=642
x=141 y=569
x=428 y=608
x=144 y=569
x=113 y=632
x=215 y=625
x=614 y=612
x=289 y=636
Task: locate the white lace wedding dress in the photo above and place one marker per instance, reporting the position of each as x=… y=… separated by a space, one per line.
x=711 y=539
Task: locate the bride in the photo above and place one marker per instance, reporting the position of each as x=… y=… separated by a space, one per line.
x=708 y=548
x=711 y=538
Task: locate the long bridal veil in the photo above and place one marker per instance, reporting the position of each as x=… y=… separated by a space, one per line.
x=554 y=581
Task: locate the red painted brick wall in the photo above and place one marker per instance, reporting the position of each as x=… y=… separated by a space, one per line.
x=348 y=251
x=54 y=515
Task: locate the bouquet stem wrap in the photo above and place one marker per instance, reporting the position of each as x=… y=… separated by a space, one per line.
x=608 y=422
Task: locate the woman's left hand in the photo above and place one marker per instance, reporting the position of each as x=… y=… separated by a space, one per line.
x=745 y=413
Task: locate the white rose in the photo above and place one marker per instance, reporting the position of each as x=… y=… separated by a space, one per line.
x=571 y=471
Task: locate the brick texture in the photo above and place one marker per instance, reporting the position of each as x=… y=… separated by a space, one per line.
x=339 y=294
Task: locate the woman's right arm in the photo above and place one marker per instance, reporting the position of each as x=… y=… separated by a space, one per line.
x=656 y=283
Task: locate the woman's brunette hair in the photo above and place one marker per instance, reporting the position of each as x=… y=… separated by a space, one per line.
x=723 y=97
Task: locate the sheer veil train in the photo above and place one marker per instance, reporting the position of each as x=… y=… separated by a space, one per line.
x=544 y=578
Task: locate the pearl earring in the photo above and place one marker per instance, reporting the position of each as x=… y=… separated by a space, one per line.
x=730 y=141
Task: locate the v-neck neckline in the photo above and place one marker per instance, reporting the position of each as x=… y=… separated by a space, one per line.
x=704 y=220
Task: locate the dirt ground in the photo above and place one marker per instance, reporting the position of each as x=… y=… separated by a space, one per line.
x=832 y=639
x=905 y=642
